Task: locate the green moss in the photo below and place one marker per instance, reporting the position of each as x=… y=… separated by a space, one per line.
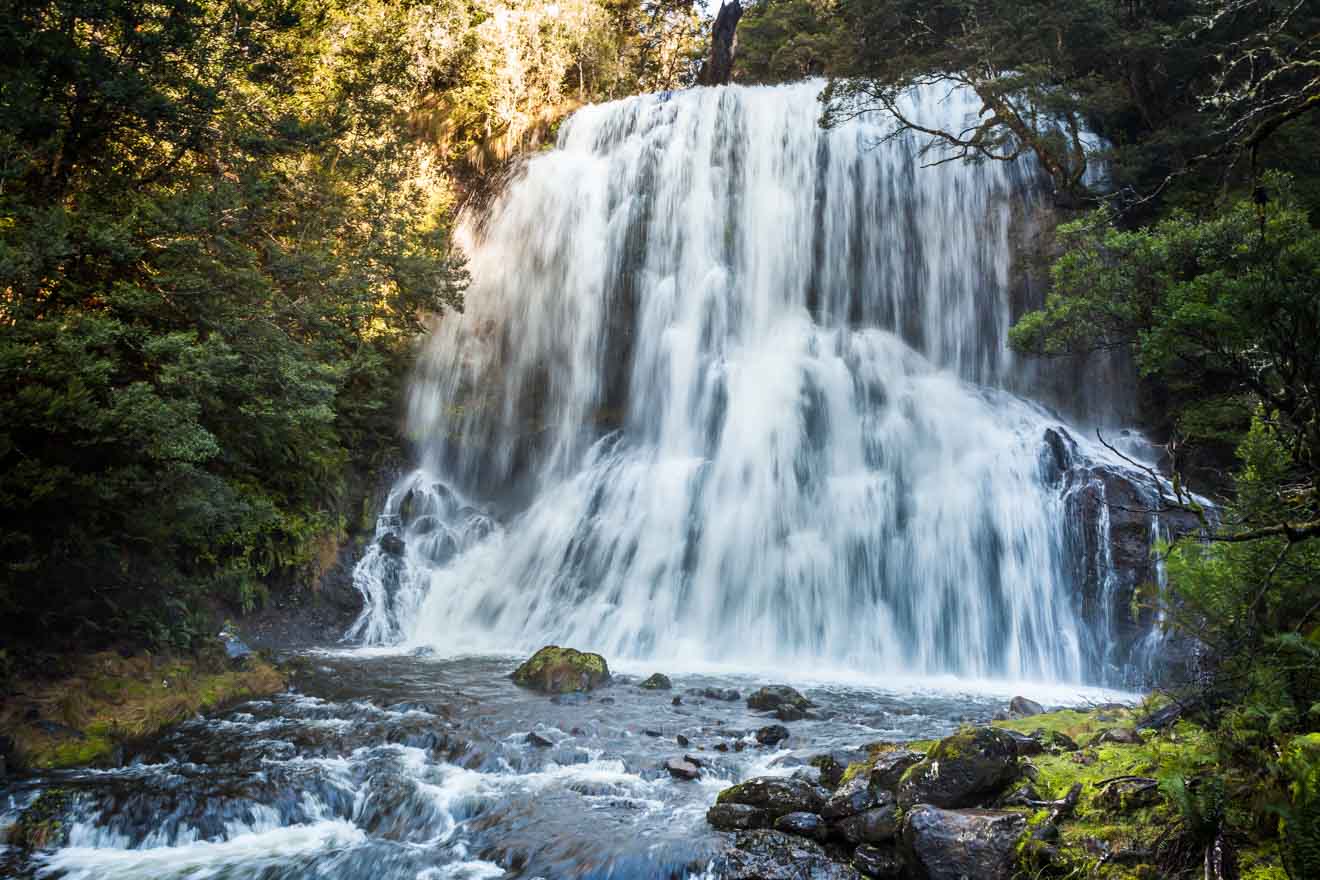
x=562 y=670
x=41 y=826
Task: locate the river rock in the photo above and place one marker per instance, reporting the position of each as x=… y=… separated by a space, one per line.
x=1025 y=745
x=391 y=544
x=772 y=735
x=724 y=695
x=776 y=795
x=876 y=825
x=883 y=863
x=1022 y=707
x=770 y=698
x=539 y=741
x=803 y=824
x=680 y=768
x=961 y=770
x=657 y=682
x=736 y=817
x=854 y=796
x=890 y=766
x=773 y=855
x=556 y=670
x=833 y=765
x=962 y=844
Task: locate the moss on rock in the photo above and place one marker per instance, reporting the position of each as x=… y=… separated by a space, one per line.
x=556 y=670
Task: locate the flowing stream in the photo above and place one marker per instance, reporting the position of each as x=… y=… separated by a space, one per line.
x=732 y=401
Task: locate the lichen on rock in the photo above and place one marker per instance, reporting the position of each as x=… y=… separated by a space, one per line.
x=556 y=670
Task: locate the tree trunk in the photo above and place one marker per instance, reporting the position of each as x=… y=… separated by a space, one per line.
x=718 y=69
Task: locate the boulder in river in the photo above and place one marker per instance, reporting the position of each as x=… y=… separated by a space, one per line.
x=736 y=817
x=958 y=844
x=881 y=862
x=772 y=697
x=833 y=765
x=724 y=695
x=772 y=735
x=804 y=825
x=876 y=825
x=776 y=795
x=961 y=770
x=1023 y=708
x=773 y=855
x=681 y=768
x=854 y=796
x=556 y=670
x=657 y=682
x=889 y=767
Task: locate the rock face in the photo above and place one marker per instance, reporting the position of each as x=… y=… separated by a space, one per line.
x=961 y=770
x=772 y=855
x=775 y=796
x=555 y=670
x=962 y=844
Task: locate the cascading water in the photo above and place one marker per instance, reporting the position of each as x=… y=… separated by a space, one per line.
x=738 y=389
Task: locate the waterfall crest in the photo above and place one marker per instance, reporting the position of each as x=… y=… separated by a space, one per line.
x=730 y=387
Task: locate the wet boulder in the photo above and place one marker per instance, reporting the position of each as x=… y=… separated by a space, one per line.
x=890 y=766
x=682 y=768
x=772 y=735
x=876 y=825
x=833 y=765
x=1024 y=708
x=657 y=682
x=804 y=825
x=392 y=544
x=958 y=844
x=962 y=770
x=854 y=796
x=773 y=855
x=776 y=795
x=1025 y=745
x=736 y=817
x=556 y=670
x=775 y=696
x=881 y=862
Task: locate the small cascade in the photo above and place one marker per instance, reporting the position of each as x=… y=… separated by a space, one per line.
x=737 y=390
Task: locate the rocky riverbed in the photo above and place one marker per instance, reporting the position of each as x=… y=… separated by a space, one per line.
x=394 y=765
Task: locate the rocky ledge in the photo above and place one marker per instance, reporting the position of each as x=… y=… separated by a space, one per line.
x=1066 y=793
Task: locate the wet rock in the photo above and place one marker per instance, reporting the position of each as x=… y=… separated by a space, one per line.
x=653 y=732
x=772 y=697
x=1025 y=745
x=1161 y=718
x=558 y=670
x=692 y=759
x=876 y=825
x=682 y=740
x=775 y=795
x=1022 y=707
x=807 y=774
x=961 y=770
x=769 y=736
x=1021 y=797
x=736 y=817
x=682 y=769
x=958 y=844
x=833 y=765
x=539 y=741
x=854 y=796
x=804 y=825
x=890 y=767
x=677 y=701
x=773 y=855
x=724 y=695
x=657 y=682
x=788 y=712
x=411 y=706
x=882 y=863
x=391 y=544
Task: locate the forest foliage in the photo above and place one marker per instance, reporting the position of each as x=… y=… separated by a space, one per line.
x=223 y=224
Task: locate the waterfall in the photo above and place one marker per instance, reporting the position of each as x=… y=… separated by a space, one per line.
x=733 y=388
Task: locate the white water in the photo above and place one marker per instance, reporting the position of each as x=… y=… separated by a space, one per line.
x=739 y=390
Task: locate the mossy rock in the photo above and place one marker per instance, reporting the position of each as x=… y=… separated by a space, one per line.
x=961 y=771
x=42 y=825
x=556 y=670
